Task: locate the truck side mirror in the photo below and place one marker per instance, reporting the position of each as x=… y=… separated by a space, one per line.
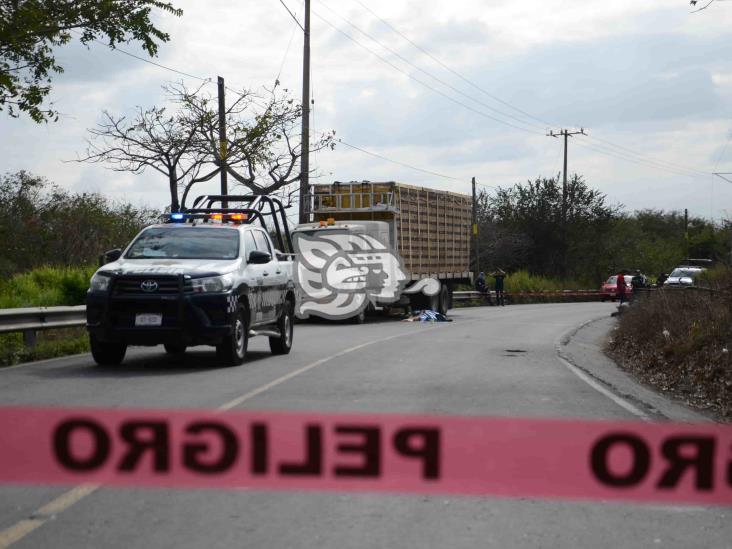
x=257 y=257
x=109 y=256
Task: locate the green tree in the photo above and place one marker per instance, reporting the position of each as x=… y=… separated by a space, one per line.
x=30 y=30
x=45 y=225
x=557 y=247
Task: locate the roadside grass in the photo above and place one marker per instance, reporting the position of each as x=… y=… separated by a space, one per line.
x=680 y=342
x=46 y=287
x=524 y=282
x=51 y=344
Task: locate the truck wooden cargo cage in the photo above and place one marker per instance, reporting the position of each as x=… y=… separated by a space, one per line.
x=429 y=228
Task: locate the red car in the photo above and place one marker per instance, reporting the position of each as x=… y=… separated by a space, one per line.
x=609 y=288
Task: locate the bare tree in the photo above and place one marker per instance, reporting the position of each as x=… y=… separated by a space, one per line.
x=262 y=152
x=263 y=140
x=151 y=139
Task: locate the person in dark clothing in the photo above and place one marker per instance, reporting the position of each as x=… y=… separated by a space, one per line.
x=638 y=282
x=661 y=279
x=482 y=286
x=499 y=275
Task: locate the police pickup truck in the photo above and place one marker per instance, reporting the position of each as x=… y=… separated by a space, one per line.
x=208 y=276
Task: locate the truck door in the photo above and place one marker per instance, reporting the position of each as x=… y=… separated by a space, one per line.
x=270 y=297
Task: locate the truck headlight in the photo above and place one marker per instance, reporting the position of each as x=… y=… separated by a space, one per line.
x=213 y=284
x=99 y=282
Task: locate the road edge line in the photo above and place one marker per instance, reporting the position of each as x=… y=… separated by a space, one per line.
x=617 y=399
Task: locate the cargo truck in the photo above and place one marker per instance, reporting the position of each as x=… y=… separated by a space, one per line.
x=429 y=229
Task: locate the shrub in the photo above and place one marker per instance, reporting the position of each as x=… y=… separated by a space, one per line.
x=680 y=342
x=46 y=287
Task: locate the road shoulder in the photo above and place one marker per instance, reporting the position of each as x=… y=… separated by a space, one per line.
x=584 y=349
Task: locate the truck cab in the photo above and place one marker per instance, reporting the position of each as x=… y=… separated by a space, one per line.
x=201 y=278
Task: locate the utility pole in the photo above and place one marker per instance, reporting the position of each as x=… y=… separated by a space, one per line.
x=726 y=177
x=566 y=134
x=686 y=231
x=305 y=137
x=222 y=139
x=475 y=230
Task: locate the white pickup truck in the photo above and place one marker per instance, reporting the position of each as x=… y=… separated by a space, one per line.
x=209 y=278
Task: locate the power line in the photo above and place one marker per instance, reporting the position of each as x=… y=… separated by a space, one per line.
x=207 y=80
x=644 y=163
x=292 y=15
x=427 y=73
x=405 y=165
x=287 y=51
x=412 y=77
x=449 y=69
x=650 y=159
x=476 y=86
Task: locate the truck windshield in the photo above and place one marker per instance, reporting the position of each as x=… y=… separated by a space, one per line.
x=185 y=243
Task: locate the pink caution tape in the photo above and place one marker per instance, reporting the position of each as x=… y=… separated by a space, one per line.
x=543 y=458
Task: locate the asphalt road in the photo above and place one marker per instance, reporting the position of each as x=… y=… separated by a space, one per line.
x=489 y=361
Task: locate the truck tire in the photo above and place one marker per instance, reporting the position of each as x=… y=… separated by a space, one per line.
x=232 y=351
x=360 y=318
x=175 y=348
x=444 y=305
x=282 y=345
x=107 y=353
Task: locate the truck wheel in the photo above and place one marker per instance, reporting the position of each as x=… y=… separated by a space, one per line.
x=434 y=301
x=360 y=318
x=282 y=345
x=107 y=353
x=174 y=348
x=444 y=305
x=233 y=349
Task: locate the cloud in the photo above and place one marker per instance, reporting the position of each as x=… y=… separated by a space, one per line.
x=645 y=75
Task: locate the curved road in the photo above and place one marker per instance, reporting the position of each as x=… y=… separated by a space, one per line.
x=489 y=361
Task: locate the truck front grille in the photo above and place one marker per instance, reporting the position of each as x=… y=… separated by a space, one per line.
x=149 y=285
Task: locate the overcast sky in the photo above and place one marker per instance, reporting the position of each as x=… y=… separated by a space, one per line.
x=647 y=76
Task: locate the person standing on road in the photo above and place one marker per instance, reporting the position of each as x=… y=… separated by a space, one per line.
x=482 y=287
x=621 y=287
x=661 y=279
x=499 y=275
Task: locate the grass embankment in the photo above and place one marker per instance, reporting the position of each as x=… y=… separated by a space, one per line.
x=44 y=287
x=679 y=341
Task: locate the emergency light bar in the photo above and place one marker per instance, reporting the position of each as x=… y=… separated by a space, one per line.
x=179 y=217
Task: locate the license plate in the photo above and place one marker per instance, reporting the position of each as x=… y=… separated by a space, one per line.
x=148 y=319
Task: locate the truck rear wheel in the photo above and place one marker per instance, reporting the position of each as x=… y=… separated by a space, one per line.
x=444 y=305
x=282 y=345
x=360 y=317
x=233 y=349
x=107 y=353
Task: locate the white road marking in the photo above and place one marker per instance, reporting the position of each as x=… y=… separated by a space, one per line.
x=591 y=382
x=67 y=499
x=251 y=394
x=24 y=527
x=42 y=515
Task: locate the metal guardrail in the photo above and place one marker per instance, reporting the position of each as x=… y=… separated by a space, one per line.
x=32 y=319
x=467 y=296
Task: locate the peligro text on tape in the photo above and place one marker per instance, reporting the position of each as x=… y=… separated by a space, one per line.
x=634 y=461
